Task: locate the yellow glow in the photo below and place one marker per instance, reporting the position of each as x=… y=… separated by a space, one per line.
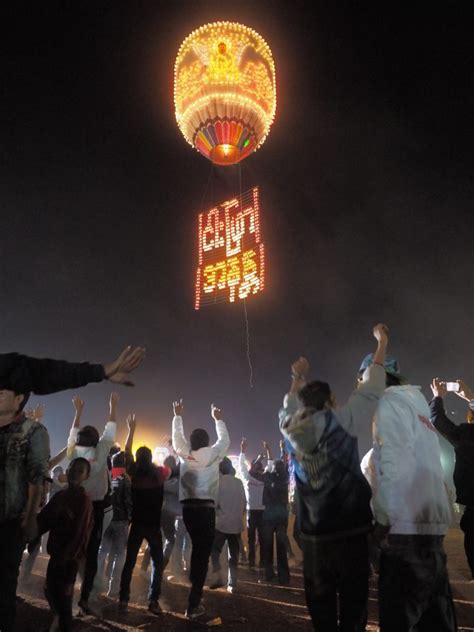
x=224 y=71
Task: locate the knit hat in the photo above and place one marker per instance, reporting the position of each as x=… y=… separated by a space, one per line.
x=390 y=366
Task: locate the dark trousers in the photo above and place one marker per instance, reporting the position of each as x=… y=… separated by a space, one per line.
x=11 y=549
x=138 y=533
x=59 y=590
x=277 y=527
x=332 y=569
x=254 y=529
x=467 y=525
x=200 y=523
x=414 y=591
x=168 y=524
x=232 y=540
x=92 y=553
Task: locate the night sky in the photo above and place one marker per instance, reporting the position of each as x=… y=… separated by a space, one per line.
x=366 y=192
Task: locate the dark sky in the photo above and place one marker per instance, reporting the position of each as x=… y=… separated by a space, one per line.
x=366 y=190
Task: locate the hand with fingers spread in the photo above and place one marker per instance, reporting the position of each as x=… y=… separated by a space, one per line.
x=132 y=421
x=438 y=387
x=178 y=408
x=118 y=371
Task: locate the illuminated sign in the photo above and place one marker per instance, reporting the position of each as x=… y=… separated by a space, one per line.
x=231 y=258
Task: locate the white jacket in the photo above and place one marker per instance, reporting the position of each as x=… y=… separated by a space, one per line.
x=253 y=487
x=97 y=484
x=409 y=491
x=199 y=471
x=231 y=505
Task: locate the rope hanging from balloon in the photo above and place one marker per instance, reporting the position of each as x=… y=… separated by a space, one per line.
x=247 y=329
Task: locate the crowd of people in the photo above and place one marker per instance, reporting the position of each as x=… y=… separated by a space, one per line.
x=386 y=515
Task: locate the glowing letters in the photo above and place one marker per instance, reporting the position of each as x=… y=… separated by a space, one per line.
x=231 y=258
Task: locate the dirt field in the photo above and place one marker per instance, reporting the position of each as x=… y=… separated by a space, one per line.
x=256 y=607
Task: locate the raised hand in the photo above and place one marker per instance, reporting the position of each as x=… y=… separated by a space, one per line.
x=78 y=404
x=464 y=392
x=118 y=370
x=216 y=413
x=380 y=332
x=300 y=368
x=178 y=408
x=131 y=422
x=438 y=387
x=243 y=445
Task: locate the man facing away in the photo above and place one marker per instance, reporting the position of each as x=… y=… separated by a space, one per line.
x=199 y=492
x=229 y=517
x=253 y=485
x=333 y=497
x=412 y=512
x=461 y=438
x=24 y=449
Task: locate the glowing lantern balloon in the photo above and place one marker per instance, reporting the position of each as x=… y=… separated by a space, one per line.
x=224 y=91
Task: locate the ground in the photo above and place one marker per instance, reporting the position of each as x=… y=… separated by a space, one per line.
x=256 y=606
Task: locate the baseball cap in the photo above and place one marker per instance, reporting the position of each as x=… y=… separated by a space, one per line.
x=390 y=365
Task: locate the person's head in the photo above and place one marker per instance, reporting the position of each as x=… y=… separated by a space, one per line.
x=393 y=376
x=88 y=437
x=256 y=468
x=199 y=439
x=115 y=449
x=279 y=467
x=144 y=457
x=316 y=395
x=119 y=459
x=78 y=471
x=226 y=467
x=11 y=402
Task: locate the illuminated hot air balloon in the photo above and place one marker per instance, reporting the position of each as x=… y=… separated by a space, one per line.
x=224 y=91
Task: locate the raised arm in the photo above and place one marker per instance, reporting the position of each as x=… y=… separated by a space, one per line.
x=221 y=446
x=78 y=405
x=243 y=467
x=55 y=460
x=107 y=439
x=180 y=445
x=439 y=419
x=132 y=426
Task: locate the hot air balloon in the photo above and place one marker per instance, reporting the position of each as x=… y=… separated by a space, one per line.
x=224 y=91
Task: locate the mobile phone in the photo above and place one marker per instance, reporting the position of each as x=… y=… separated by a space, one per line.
x=452 y=386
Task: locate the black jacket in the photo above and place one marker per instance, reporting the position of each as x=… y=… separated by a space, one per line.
x=462 y=439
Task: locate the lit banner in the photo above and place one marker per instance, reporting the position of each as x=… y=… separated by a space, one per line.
x=231 y=258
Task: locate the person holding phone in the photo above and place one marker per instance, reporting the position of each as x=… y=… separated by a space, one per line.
x=461 y=437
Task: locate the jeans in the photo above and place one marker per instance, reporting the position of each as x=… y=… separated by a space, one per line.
x=112 y=553
x=276 y=525
x=138 y=533
x=414 y=591
x=332 y=569
x=232 y=540
x=254 y=529
x=90 y=568
x=467 y=525
x=11 y=549
x=200 y=523
x=59 y=590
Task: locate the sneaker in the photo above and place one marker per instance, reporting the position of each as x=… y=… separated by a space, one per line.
x=195 y=613
x=231 y=590
x=123 y=606
x=155 y=607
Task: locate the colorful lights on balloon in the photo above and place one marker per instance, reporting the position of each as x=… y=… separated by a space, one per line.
x=231 y=254
x=224 y=91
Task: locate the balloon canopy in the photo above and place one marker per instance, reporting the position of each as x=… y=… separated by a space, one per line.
x=224 y=91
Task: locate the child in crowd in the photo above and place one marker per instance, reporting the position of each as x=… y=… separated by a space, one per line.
x=68 y=517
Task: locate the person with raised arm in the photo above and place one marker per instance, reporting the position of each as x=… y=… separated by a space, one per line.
x=332 y=495
x=461 y=437
x=24 y=449
x=253 y=485
x=85 y=442
x=147 y=484
x=199 y=493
